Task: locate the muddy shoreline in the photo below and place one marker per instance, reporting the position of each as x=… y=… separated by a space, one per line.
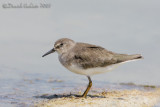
x=114 y=98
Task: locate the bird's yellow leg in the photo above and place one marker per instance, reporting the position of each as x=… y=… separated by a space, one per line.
x=88 y=88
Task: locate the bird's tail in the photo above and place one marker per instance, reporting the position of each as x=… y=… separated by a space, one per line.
x=124 y=57
x=136 y=56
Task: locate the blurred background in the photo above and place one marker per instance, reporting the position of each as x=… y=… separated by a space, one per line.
x=121 y=26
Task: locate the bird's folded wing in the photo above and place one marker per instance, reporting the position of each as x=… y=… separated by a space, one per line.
x=92 y=56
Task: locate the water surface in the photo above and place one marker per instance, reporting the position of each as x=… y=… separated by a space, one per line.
x=26 y=34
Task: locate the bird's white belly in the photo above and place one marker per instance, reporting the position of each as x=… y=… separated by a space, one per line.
x=91 y=71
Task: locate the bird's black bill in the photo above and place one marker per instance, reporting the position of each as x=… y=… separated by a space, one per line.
x=49 y=52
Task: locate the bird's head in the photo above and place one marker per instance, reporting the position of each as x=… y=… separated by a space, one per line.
x=61 y=46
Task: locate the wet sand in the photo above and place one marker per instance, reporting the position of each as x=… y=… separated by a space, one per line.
x=117 y=98
x=28 y=89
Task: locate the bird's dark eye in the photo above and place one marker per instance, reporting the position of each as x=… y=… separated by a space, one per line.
x=61 y=44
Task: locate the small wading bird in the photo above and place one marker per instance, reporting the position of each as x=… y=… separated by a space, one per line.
x=87 y=59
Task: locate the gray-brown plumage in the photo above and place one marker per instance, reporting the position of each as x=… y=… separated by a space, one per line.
x=87 y=59
x=91 y=56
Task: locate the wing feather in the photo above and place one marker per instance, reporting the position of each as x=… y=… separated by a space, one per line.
x=90 y=56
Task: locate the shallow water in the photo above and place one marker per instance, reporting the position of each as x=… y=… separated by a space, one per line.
x=23 y=88
x=26 y=34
